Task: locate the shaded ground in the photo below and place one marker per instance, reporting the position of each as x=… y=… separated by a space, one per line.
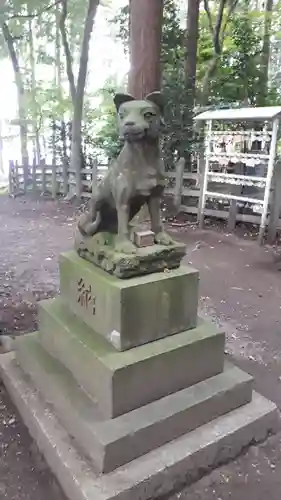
x=240 y=288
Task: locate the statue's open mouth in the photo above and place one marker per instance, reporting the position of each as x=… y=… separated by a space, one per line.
x=135 y=135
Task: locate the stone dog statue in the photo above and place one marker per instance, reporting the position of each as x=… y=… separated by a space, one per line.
x=135 y=178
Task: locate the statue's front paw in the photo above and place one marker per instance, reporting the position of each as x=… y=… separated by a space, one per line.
x=163 y=239
x=125 y=246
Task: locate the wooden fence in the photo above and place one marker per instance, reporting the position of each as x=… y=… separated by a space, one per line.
x=51 y=179
x=57 y=180
x=190 y=194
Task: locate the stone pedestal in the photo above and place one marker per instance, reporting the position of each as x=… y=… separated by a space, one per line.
x=131 y=312
x=126 y=391
x=100 y=250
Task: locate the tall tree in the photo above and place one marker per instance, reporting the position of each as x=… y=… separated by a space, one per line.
x=146 y=19
x=191 y=45
x=265 y=55
x=34 y=117
x=12 y=51
x=218 y=22
x=16 y=18
x=78 y=91
x=67 y=51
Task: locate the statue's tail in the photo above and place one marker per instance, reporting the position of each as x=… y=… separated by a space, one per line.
x=90 y=228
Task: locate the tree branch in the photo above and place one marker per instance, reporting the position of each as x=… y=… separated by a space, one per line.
x=209 y=15
x=217 y=30
x=218 y=38
x=37 y=14
x=231 y=9
x=20 y=88
x=10 y=44
x=67 y=52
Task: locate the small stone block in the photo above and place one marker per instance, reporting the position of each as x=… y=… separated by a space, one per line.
x=129 y=313
x=158 y=473
x=123 y=381
x=144 y=238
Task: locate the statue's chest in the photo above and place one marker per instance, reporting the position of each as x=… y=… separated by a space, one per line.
x=145 y=180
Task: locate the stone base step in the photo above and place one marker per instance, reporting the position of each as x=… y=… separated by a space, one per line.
x=123 y=381
x=157 y=473
x=115 y=442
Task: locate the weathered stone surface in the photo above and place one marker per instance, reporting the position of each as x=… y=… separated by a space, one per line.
x=157 y=473
x=129 y=313
x=100 y=250
x=114 y=442
x=135 y=178
x=123 y=381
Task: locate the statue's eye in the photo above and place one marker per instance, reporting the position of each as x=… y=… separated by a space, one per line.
x=149 y=114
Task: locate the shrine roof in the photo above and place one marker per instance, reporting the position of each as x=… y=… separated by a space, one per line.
x=261 y=113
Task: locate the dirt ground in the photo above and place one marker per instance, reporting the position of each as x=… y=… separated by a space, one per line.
x=240 y=289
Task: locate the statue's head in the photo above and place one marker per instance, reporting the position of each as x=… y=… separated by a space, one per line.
x=139 y=119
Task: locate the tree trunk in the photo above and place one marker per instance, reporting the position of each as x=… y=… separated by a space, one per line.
x=20 y=91
x=1 y=151
x=35 y=125
x=67 y=52
x=146 y=18
x=75 y=164
x=191 y=44
x=57 y=74
x=265 y=55
x=204 y=96
x=217 y=29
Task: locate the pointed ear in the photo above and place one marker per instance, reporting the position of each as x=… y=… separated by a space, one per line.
x=157 y=99
x=119 y=99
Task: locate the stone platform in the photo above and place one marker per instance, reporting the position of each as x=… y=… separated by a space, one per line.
x=148 y=372
x=111 y=442
x=158 y=472
x=126 y=390
x=99 y=250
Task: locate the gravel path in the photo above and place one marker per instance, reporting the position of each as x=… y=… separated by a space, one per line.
x=240 y=289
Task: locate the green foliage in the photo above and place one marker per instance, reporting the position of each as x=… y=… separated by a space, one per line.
x=236 y=80
x=107 y=141
x=237 y=76
x=17 y=14
x=238 y=73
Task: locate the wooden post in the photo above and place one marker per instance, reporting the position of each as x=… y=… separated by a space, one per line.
x=25 y=174
x=65 y=177
x=34 y=183
x=231 y=221
x=94 y=174
x=11 y=167
x=202 y=199
x=270 y=170
x=54 y=178
x=275 y=205
x=237 y=191
x=43 y=168
x=179 y=183
x=17 y=180
x=1 y=149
